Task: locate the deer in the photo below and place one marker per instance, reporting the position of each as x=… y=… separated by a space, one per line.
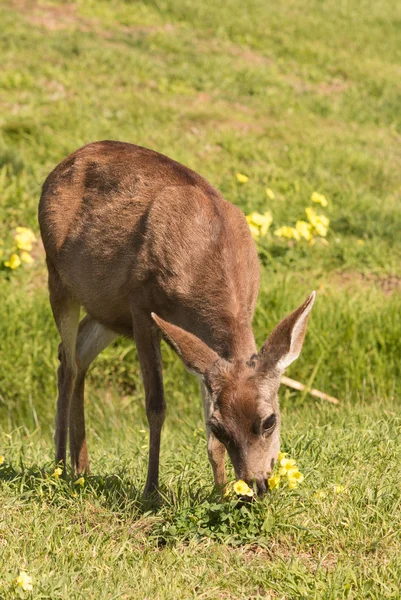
x=150 y=250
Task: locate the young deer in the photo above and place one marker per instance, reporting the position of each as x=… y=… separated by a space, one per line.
x=150 y=249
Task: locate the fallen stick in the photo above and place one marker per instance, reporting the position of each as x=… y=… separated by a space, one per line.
x=296 y=385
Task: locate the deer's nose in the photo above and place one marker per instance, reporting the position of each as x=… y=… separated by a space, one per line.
x=261 y=486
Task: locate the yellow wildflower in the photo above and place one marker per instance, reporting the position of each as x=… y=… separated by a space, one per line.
x=241 y=177
x=270 y=194
x=13 y=262
x=274 y=481
x=255 y=231
x=286 y=464
x=57 y=472
x=287 y=232
x=80 y=481
x=338 y=489
x=319 y=199
x=281 y=455
x=23 y=241
x=24 y=581
x=295 y=475
x=320 y=495
x=26 y=257
x=320 y=223
x=1 y=460
x=242 y=489
x=360 y=242
x=259 y=223
x=292 y=484
x=304 y=229
x=26 y=231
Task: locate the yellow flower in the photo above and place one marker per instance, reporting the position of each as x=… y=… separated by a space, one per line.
x=295 y=476
x=26 y=231
x=338 y=489
x=26 y=257
x=270 y=193
x=241 y=177
x=24 y=581
x=287 y=232
x=242 y=489
x=360 y=242
x=320 y=495
x=274 y=481
x=23 y=241
x=255 y=231
x=319 y=199
x=320 y=223
x=1 y=460
x=57 y=472
x=80 y=481
x=286 y=464
x=281 y=455
x=13 y=262
x=304 y=229
x=259 y=224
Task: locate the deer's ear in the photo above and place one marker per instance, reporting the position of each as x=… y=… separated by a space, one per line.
x=195 y=354
x=284 y=344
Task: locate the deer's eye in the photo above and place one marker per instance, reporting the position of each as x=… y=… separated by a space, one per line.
x=269 y=423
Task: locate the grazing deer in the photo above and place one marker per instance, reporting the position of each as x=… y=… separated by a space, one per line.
x=150 y=249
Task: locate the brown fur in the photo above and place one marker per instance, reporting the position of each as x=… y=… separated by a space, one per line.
x=128 y=232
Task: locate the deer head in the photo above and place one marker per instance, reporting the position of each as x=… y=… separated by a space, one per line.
x=243 y=410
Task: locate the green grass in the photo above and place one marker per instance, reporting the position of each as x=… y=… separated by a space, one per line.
x=301 y=97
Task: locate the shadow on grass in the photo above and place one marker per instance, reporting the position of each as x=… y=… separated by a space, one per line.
x=116 y=492
x=179 y=514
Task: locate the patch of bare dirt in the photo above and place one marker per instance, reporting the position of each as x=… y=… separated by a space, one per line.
x=337 y=86
x=312 y=560
x=325 y=88
x=55 y=18
x=387 y=283
x=52 y=18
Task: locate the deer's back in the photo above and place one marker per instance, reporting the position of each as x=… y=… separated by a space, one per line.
x=124 y=224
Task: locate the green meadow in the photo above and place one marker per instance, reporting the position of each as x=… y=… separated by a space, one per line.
x=300 y=97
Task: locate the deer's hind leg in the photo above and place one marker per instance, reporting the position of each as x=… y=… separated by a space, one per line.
x=93 y=337
x=66 y=315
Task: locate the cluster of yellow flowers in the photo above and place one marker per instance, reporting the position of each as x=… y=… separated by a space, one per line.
x=287 y=468
x=24 y=238
x=259 y=224
x=315 y=225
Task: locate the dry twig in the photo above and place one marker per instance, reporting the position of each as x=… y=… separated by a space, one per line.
x=296 y=385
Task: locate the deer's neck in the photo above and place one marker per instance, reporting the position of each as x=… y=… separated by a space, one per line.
x=231 y=337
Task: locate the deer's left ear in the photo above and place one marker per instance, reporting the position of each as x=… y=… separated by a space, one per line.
x=195 y=354
x=284 y=344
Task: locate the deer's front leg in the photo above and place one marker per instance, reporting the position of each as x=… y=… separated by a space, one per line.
x=216 y=451
x=147 y=340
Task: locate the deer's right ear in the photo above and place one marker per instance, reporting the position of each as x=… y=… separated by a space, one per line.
x=284 y=344
x=195 y=354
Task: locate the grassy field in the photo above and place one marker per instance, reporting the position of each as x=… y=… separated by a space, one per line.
x=300 y=97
